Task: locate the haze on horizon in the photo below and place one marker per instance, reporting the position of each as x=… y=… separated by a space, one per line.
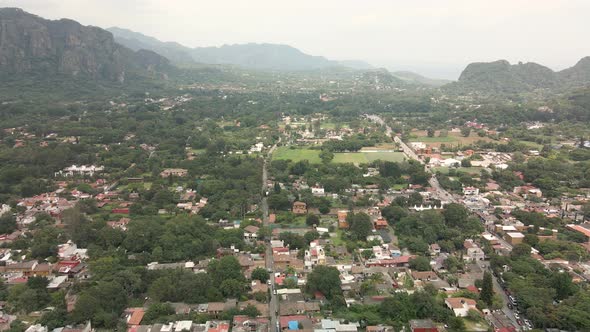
x=435 y=38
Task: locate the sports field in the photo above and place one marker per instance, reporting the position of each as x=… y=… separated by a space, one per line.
x=284 y=153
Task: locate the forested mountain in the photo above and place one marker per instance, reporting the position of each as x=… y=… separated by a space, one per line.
x=251 y=55
x=136 y=41
x=579 y=74
x=501 y=76
x=417 y=78
x=31 y=45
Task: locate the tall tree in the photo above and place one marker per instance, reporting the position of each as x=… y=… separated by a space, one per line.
x=487 y=289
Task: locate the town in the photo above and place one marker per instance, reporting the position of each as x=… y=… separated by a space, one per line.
x=147 y=186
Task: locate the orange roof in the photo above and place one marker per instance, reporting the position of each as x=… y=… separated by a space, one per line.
x=459 y=302
x=580 y=229
x=136 y=316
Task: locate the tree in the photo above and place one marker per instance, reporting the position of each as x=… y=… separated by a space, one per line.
x=260 y=273
x=226 y=268
x=310 y=236
x=279 y=201
x=326 y=280
x=563 y=284
x=324 y=207
x=360 y=225
x=398 y=307
x=326 y=156
x=465 y=163
x=415 y=199
x=455 y=215
x=531 y=239
x=157 y=310
x=430 y=132
x=420 y=263
x=465 y=131
x=521 y=250
x=487 y=289
x=393 y=213
x=7 y=223
x=231 y=288
x=292 y=240
x=312 y=219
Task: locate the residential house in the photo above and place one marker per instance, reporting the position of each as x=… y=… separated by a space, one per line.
x=423 y=325
x=315 y=255
x=299 y=208
x=178 y=172
x=251 y=233
x=460 y=305
x=342 y=223
x=243 y=323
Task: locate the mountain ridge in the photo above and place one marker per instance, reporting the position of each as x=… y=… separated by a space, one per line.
x=261 y=56
x=32 y=44
x=502 y=76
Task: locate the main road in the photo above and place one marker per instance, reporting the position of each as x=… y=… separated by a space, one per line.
x=439 y=191
x=274 y=301
x=446 y=197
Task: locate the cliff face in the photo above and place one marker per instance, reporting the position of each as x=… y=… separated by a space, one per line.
x=31 y=44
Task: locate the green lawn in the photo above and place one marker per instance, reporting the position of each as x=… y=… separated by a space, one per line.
x=469 y=170
x=284 y=153
x=532 y=145
x=350 y=157
x=332 y=125
x=385 y=156
x=427 y=139
x=367 y=157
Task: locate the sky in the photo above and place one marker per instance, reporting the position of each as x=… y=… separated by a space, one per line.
x=436 y=38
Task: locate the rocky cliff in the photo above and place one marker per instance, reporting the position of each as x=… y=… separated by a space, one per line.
x=31 y=44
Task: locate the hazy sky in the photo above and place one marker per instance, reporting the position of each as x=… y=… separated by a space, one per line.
x=433 y=37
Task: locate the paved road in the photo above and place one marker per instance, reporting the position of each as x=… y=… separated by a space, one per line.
x=274 y=301
x=439 y=192
x=446 y=197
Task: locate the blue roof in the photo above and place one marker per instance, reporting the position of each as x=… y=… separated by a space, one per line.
x=293 y=325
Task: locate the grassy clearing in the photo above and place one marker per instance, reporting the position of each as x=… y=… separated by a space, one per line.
x=285 y=153
x=350 y=157
x=332 y=125
x=453 y=139
x=427 y=139
x=385 y=156
x=469 y=170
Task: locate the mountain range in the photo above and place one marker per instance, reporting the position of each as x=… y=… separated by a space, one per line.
x=30 y=44
x=501 y=76
x=252 y=56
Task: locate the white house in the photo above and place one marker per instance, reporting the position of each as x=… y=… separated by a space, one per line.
x=469 y=191
x=317 y=190
x=460 y=305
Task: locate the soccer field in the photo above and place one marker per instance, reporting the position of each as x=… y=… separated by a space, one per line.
x=285 y=153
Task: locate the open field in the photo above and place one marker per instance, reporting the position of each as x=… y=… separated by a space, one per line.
x=285 y=153
x=452 y=139
x=469 y=170
x=332 y=125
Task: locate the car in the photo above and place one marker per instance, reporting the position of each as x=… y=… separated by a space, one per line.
x=528 y=323
x=519 y=322
x=510 y=306
x=517 y=316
